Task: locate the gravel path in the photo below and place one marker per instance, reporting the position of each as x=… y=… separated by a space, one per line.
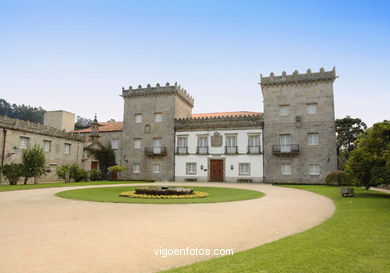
x=42 y=233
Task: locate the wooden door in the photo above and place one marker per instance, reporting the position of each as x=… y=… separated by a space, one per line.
x=216 y=170
x=94 y=165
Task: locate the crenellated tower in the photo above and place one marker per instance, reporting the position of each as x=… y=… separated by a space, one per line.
x=299 y=126
x=148 y=129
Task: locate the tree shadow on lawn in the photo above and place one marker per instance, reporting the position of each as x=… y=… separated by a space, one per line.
x=377 y=195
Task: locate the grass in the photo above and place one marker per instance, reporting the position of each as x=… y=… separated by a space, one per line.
x=111 y=194
x=355 y=239
x=54 y=185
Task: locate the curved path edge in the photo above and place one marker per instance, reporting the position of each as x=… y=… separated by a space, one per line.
x=45 y=233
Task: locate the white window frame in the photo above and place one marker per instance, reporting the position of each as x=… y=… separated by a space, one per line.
x=314 y=169
x=136 y=168
x=244 y=169
x=138 y=118
x=24 y=143
x=157 y=117
x=311 y=108
x=115 y=144
x=137 y=143
x=313 y=139
x=191 y=168
x=286 y=169
x=156 y=168
x=47 y=146
x=67 y=148
x=284 y=110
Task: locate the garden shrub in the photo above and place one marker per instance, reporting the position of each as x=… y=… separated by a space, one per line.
x=95 y=175
x=337 y=178
x=75 y=172
x=13 y=172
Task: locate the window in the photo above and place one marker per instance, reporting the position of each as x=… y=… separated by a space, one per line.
x=115 y=144
x=157 y=117
x=244 y=169
x=67 y=148
x=285 y=143
x=283 y=110
x=137 y=143
x=312 y=139
x=311 y=109
x=254 y=144
x=182 y=145
x=314 y=169
x=231 y=144
x=191 y=168
x=203 y=145
x=138 y=118
x=286 y=169
x=24 y=142
x=136 y=168
x=156 y=168
x=47 y=145
x=157 y=146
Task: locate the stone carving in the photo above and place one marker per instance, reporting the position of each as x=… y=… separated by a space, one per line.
x=216 y=140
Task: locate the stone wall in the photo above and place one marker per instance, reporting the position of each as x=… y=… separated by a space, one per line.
x=297 y=91
x=56 y=157
x=168 y=101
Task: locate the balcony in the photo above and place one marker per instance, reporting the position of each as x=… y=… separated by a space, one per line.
x=254 y=150
x=202 y=150
x=231 y=149
x=181 y=150
x=155 y=151
x=290 y=149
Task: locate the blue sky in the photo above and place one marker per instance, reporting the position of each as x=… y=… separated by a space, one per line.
x=76 y=55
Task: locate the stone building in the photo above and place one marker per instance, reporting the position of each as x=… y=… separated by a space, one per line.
x=299 y=127
x=294 y=141
x=60 y=147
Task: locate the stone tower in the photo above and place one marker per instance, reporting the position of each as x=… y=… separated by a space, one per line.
x=60 y=119
x=299 y=127
x=148 y=130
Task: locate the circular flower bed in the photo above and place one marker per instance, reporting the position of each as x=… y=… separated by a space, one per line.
x=194 y=194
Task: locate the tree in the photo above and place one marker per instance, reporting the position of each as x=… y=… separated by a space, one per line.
x=105 y=156
x=33 y=161
x=13 y=172
x=348 y=130
x=337 y=178
x=369 y=163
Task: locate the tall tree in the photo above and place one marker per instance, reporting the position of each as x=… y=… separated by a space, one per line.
x=369 y=163
x=348 y=130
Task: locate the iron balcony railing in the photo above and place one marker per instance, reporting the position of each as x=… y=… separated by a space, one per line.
x=289 y=149
x=202 y=150
x=181 y=150
x=254 y=149
x=231 y=150
x=155 y=151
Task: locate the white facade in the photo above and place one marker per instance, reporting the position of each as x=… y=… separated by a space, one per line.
x=239 y=152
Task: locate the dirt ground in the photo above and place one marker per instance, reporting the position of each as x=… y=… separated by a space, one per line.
x=43 y=233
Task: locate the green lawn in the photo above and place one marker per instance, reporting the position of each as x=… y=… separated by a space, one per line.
x=54 y=185
x=111 y=194
x=355 y=239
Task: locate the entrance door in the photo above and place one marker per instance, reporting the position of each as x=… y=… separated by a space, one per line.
x=216 y=170
x=94 y=165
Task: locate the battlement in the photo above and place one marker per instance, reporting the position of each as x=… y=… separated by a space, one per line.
x=37 y=128
x=158 y=90
x=295 y=77
x=220 y=122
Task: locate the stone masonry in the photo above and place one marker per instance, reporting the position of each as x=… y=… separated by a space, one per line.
x=296 y=92
x=170 y=101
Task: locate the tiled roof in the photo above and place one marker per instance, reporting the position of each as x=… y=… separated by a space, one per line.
x=111 y=126
x=225 y=114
